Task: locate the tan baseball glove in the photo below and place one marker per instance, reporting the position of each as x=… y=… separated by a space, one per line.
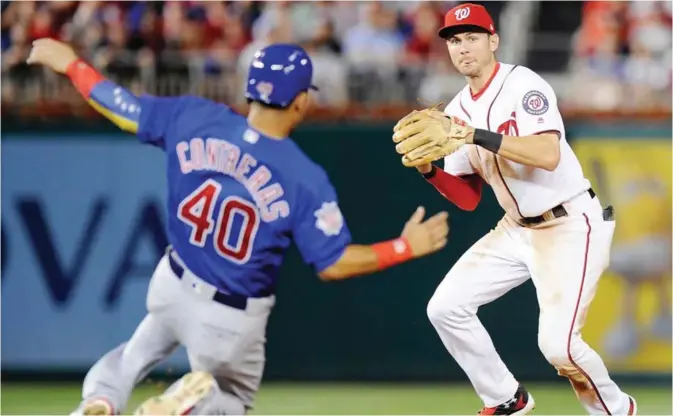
x=428 y=135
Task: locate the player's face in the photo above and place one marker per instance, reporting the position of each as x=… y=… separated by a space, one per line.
x=470 y=52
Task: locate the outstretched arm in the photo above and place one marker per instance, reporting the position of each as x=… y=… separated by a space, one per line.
x=112 y=101
x=325 y=242
x=418 y=239
x=109 y=99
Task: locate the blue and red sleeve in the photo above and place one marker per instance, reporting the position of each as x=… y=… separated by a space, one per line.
x=112 y=101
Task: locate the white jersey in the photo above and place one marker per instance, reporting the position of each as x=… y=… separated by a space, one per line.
x=517 y=102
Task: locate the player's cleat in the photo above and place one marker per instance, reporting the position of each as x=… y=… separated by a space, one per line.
x=521 y=404
x=98 y=406
x=633 y=407
x=193 y=388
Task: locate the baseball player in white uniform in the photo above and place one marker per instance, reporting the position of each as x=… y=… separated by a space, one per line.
x=504 y=128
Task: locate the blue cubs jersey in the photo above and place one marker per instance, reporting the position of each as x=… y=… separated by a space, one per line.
x=236 y=199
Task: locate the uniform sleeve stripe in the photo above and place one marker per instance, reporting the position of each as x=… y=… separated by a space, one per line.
x=558 y=133
x=121 y=121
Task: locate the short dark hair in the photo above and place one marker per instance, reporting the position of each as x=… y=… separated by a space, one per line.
x=272 y=106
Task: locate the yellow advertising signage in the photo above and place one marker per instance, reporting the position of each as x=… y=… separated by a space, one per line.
x=629 y=322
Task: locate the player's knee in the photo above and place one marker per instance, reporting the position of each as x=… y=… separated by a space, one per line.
x=445 y=310
x=434 y=310
x=555 y=349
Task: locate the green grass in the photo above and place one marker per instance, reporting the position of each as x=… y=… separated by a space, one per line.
x=276 y=398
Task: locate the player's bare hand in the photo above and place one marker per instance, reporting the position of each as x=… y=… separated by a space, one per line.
x=427 y=236
x=52 y=53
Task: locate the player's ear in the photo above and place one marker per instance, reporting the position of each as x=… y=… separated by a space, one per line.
x=301 y=103
x=493 y=42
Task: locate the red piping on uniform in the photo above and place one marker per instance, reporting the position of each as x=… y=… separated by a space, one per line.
x=495 y=157
x=188 y=411
x=572 y=325
x=483 y=89
x=547 y=131
x=511 y=195
x=464 y=110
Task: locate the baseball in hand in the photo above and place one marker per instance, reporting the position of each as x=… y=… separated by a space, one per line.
x=52 y=53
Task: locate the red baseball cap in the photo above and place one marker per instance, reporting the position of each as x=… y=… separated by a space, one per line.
x=462 y=17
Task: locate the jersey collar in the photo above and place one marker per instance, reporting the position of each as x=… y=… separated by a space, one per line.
x=483 y=89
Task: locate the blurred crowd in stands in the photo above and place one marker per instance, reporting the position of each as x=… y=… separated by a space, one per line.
x=623 y=54
x=614 y=53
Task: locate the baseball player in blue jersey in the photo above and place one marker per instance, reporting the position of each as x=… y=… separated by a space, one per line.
x=239 y=191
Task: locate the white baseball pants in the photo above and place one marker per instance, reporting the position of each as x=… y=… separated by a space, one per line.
x=565 y=258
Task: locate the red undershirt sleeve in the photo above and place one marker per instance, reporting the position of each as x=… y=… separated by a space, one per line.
x=463 y=191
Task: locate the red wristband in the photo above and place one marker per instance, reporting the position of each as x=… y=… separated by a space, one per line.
x=392 y=252
x=83 y=77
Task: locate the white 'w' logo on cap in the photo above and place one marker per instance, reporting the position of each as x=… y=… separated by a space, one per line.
x=462 y=13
